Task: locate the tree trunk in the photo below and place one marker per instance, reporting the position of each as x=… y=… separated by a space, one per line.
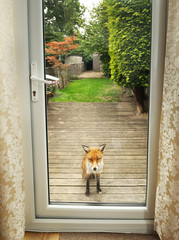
x=61 y=75
x=139 y=95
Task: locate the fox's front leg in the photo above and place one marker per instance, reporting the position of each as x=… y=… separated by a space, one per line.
x=87 y=185
x=98 y=183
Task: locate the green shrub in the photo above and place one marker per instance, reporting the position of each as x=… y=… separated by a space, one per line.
x=129 y=24
x=74 y=77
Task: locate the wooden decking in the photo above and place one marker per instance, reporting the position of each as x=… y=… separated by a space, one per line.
x=71 y=125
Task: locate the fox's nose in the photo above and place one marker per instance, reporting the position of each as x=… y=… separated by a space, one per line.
x=95 y=168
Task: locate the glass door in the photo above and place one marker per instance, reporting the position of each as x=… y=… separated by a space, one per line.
x=70 y=138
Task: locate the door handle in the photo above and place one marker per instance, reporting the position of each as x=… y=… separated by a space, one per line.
x=36 y=80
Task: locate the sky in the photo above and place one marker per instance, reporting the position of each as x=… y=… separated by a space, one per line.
x=89 y=4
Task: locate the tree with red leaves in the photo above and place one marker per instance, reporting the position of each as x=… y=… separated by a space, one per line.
x=56 y=49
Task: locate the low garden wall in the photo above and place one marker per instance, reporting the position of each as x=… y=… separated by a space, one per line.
x=68 y=74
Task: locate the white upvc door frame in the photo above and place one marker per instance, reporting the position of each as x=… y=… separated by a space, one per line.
x=40 y=215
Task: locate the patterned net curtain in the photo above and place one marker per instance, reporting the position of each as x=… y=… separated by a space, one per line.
x=12 y=219
x=167 y=199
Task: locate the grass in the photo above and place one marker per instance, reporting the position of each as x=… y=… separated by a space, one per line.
x=89 y=90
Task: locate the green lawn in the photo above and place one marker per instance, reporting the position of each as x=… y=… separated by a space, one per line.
x=89 y=90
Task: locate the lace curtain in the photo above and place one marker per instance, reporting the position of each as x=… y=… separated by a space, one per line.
x=11 y=162
x=167 y=199
x=12 y=219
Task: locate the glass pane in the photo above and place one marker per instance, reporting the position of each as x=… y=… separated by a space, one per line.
x=99 y=106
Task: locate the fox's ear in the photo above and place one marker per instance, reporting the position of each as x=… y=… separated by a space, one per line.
x=101 y=148
x=86 y=148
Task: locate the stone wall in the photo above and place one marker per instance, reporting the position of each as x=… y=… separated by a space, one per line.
x=73 y=59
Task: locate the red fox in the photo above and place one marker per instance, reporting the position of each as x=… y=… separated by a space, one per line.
x=92 y=165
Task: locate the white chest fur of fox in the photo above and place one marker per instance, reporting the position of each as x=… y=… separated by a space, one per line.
x=92 y=165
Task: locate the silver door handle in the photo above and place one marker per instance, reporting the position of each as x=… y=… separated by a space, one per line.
x=35 y=80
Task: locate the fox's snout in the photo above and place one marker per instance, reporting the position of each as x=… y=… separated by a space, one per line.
x=93 y=166
x=95 y=169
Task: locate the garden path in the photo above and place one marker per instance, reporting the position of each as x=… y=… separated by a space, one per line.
x=91 y=74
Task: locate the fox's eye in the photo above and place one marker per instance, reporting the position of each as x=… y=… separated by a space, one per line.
x=98 y=159
x=90 y=159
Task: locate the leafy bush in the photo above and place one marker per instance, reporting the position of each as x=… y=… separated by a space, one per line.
x=74 y=77
x=129 y=24
x=105 y=60
x=94 y=39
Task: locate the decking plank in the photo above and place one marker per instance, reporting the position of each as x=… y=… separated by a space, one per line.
x=71 y=125
x=105 y=182
x=106 y=171
x=103 y=176
x=109 y=190
x=100 y=198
